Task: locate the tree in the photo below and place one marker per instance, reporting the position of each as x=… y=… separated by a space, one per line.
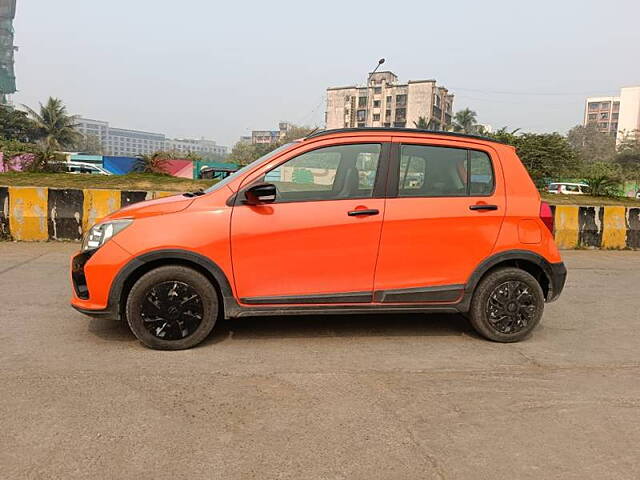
x=422 y=123
x=89 y=144
x=629 y=164
x=630 y=142
x=547 y=156
x=296 y=132
x=16 y=125
x=465 y=121
x=591 y=145
x=505 y=136
x=603 y=178
x=46 y=159
x=54 y=125
x=154 y=163
x=243 y=152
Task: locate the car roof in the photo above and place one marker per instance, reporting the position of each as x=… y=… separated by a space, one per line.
x=322 y=133
x=82 y=164
x=569 y=183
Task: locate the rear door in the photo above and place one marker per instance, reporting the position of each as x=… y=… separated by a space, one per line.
x=443 y=217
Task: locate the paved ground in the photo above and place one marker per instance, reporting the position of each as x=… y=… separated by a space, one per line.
x=378 y=397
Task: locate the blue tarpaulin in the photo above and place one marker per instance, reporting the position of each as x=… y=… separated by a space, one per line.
x=118 y=165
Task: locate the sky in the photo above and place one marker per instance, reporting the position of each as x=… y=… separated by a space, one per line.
x=218 y=69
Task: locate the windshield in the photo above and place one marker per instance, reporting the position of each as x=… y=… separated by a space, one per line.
x=234 y=175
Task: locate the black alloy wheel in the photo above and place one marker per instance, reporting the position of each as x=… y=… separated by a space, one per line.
x=507 y=305
x=172 y=308
x=511 y=307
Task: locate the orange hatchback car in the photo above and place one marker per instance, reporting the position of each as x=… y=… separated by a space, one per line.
x=343 y=221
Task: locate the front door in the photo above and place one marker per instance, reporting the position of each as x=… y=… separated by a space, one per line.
x=318 y=242
x=442 y=219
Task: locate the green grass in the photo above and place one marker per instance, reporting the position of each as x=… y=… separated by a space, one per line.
x=588 y=200
x=132 y=181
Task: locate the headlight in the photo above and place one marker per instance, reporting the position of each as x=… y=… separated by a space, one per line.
x=99 y=234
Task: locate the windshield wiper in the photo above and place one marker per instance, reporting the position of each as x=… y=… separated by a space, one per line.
x=197 y=193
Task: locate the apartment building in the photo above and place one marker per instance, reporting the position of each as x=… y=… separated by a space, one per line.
x=268 y=136
x=604 y=113
x=201 y=147
x=615 y=115
x=129 y=143
x=384 y=102
x=121 y=141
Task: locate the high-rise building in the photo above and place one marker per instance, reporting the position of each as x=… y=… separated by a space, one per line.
x=629 y=119
x=603 y=112
x=7 y=49
x=384 y=102
x=618 y=115
x=127 y=142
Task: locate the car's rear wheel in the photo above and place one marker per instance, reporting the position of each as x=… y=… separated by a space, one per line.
x=172 y=308
x=507 y=305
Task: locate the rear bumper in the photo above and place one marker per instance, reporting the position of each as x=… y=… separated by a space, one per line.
x=557 y=279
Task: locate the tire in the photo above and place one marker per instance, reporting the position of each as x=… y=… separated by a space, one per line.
x=172 y=308
x=507 y=305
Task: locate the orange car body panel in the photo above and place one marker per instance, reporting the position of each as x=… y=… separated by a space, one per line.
x=306 y=248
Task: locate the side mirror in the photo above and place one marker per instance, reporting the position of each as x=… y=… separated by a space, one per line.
x=259 y=194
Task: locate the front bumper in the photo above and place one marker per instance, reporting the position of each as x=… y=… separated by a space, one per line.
x=106 y=314
x=557 y=279
x=92 y=274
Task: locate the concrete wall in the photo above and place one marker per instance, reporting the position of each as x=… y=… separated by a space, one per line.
x=613 y=227
x=38 y=214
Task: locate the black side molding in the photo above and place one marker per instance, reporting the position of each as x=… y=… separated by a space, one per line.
x=444 y=294
x=349 y=297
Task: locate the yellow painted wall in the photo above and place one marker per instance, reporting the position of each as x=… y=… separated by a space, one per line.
x=567 y=228
x=163 y=194
x=98 y=204
x=614 y=227
x=28 y=213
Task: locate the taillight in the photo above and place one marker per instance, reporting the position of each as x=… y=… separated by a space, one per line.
x=546 y=215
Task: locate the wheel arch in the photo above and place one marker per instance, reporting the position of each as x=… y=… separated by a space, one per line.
x=136 y=268
x=528 y=261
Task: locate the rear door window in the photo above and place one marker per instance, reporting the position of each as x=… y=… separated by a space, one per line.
x=430 y=171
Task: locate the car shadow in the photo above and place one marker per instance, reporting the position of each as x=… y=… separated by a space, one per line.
x=316 y=326
x=312 y=326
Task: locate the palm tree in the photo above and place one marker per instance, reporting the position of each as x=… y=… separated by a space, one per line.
x=54 y=125
x=422 y=123
x=155 y=163
x=465 y=121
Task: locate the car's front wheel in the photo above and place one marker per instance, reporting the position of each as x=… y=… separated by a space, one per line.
x=172 y=308
x=507 y=305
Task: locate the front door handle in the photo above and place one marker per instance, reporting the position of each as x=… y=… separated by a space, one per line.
x=369 y=211
x=482 y=206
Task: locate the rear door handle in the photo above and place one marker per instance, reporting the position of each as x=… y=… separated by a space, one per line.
x=483 y=207
x=371 y=211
